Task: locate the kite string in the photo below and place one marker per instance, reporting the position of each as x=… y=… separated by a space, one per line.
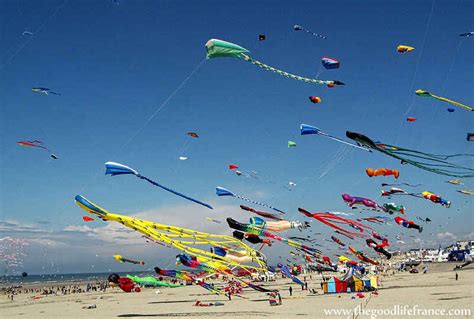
x=52 y=15
x=163 y=105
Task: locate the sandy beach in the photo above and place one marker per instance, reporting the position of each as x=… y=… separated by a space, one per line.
x=436 y=290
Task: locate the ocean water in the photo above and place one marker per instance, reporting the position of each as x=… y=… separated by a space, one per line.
x=62 y=278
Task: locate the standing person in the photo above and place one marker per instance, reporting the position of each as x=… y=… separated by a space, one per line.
x=456 y=276
x=279 y=298
x=291 y=291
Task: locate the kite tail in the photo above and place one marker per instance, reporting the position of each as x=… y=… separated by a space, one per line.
x=259 y=203
x=174 y=192
x=283 y=73
x=315 y=34
x=453 y=102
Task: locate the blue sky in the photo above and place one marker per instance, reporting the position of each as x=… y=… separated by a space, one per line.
x=115 y=65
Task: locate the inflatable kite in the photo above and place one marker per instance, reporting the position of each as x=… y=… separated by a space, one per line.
x=400 y=184
x=36 y=143
x=411 y=119
x=222 y=49
x=428 y=94
x=466 y=191
x=392 y=208
x=126 y=284
x=298 y=27
x=112 y=168
x=436 y=199
x=87 y=218
x=182 y=239
x=354 y=200
x=291 y=144
x=256 y=230
x=407 y=223
x=309 y=129
x=437 y=164
x=360 y=255
x=378 y=248
x=455 y=182
x=150 y=281
x=251 y=238
x=213 y=220
x=404 y=49
x=221 y=191
x=382 y=172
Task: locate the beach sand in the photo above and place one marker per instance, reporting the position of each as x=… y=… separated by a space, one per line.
x=437 y=289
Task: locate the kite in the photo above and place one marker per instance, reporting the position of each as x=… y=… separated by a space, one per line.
x=184 y=275
x=150 y=281
x=36 y=143
x=256 y=230
x=450 y=110
x=455 y=182
x=218 y=48
x=177 y=237
x=232 y=166
x=44 y=90
x=261 y=37
x=193 y=134
x=392 y=208
x=298 y=27
x=315 y=99
x=426 y=220
x=291 y=185
x=309 y=129
x=331 y=221
x=330 y=63
x=260 y=213
x=354 y=200
x=467 y=34
x=377 y=219
x=112 y=168
x=291 y=144
x=285 y=270
x=470 y=137
x=126 y=260
x=360 y=255
x=404 y=49
x=338 y=241
x=408 y=223
x=378 y=247
x=126 y=284
x=436 y=199
x=398 y=191
x=251 y=238
x=437 y=164
x=399 y=184
x=411 y=119
x=221 y=191
x=466 y=191
x=277 y=226
x=183 y=158
x=87 y=218
x=213 y=220
x=27 y=33
x=382 y=172
x=428 y=94
x=380 y=237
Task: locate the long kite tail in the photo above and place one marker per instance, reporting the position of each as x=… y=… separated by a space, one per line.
x=453 y=102
x=174 y=192
x=283 y=73
x=259 y=203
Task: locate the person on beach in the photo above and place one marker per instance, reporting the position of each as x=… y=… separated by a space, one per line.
x=291 y=291
x=456 y=278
